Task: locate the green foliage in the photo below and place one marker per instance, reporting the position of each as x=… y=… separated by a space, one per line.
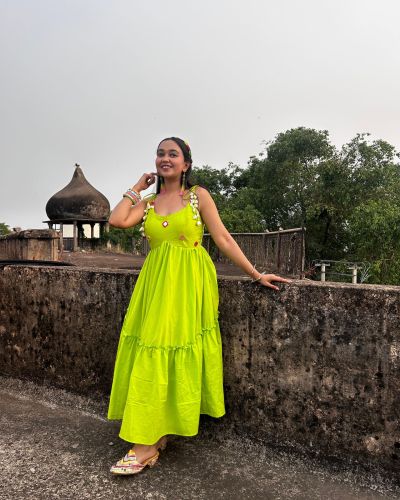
x=220 y=183
x=242 y=220
x=4 y=229
x=374 y=227
x=236 y=207
x=126 y=238
x=286 y=173
x=348 y=199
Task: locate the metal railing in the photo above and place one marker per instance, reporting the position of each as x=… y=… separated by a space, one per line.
x=339 y=269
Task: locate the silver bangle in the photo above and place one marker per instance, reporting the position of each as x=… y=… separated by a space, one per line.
x=259 y=278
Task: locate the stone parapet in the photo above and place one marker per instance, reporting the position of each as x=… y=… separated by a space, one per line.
x=30 y=244
x=315 y=367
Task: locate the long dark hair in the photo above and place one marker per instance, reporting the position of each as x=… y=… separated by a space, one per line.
x=187 y=155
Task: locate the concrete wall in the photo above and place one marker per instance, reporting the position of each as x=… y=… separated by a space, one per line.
x=31 y=244
x=315 y=367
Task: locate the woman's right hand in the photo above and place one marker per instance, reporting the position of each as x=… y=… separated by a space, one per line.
x=145 y=181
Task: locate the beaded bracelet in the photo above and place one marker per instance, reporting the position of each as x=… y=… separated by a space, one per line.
x=134 y=199
x=133 y=196
x=134 y=193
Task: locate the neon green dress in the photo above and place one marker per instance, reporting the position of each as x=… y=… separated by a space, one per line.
x=168 y=368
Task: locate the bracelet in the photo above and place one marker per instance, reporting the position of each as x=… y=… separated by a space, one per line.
x=133 y=200
x=253 y=269
x=252 y=273
x=133 y=196
x=134 y=193
x=259 y=278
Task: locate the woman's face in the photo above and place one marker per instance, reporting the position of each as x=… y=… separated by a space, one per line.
x=170 y=161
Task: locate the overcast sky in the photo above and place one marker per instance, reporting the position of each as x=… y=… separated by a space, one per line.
x=100 y=82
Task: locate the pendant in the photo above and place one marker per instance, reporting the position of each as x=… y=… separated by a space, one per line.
x=165 y=223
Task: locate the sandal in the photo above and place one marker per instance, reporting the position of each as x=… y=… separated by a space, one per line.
x=130 y=465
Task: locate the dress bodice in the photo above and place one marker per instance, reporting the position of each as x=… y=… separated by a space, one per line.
x=183 y=228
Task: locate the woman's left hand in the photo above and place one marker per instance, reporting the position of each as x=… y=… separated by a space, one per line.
x=267 y=279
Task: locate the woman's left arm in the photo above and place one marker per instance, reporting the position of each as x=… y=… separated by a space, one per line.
x=227 y=244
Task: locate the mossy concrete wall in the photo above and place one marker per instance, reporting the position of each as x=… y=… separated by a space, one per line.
x=315 y=367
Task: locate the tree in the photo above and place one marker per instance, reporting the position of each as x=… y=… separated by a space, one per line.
x=126 y=238
x=220 y=183
x=287 y=181
x=285 y=175
x=236 y=207
x=242 y=220
x=4 y=229
x=348 y=199
x=373 y=223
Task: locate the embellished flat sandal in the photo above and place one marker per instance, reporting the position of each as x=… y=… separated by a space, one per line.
x=130 y=465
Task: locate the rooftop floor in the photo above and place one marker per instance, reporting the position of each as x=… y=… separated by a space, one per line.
x=114 y=260
x=57 y=445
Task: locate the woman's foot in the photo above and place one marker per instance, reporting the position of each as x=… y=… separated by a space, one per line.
x=131 y=465
x=138 y=457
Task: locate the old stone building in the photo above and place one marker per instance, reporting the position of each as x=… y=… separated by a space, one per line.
x=77 y=204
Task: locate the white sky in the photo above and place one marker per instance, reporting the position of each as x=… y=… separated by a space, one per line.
x=100 y=82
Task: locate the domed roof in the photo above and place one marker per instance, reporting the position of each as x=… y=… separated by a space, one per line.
x=79 y=200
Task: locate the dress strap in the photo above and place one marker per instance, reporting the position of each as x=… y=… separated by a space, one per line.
x=149 y=197
x=194 y=203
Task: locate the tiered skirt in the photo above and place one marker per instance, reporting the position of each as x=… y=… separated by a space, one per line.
x=168 y=368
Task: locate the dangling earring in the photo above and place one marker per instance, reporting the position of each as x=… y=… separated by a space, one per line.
x=183 y=186
x=162 y=185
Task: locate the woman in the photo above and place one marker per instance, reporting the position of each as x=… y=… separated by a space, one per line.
x=168 y=368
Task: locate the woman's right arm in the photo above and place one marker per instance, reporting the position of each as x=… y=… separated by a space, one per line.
x=127 y=215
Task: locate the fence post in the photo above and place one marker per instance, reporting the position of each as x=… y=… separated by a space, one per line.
x=324 y=265
x=279 y=252
x=354 y=274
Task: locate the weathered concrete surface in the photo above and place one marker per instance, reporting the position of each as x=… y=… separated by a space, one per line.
x=315 y=368
x=31 y=244
x=54 y=445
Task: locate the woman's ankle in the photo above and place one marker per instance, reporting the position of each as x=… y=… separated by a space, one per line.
x=144 y=452
x=161 y=443
x=144 y=448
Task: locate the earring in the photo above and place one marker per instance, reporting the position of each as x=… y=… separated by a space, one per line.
x=183 y=186
x=162 y=185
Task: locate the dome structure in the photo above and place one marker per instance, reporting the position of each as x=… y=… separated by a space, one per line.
x=78 y=201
